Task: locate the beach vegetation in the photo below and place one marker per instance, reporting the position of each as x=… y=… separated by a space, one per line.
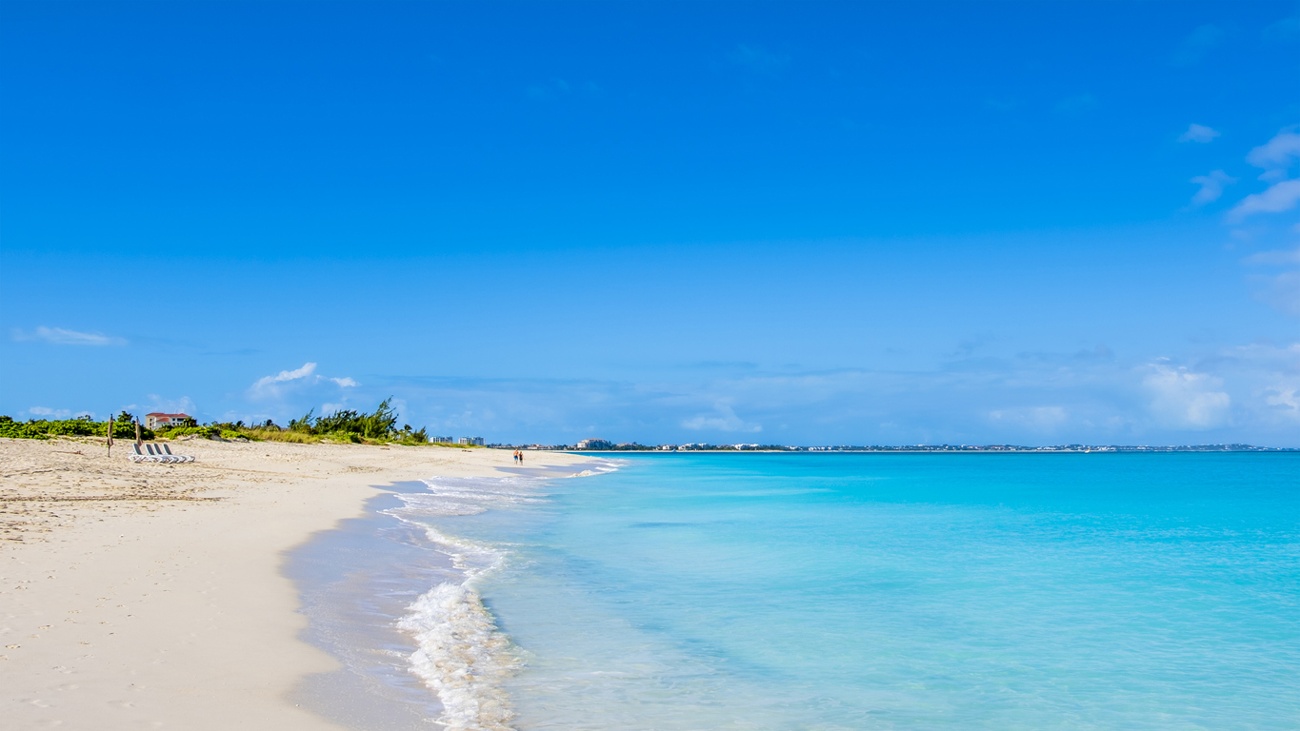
x=348 y=426
x=80 y=426
x=176 y=432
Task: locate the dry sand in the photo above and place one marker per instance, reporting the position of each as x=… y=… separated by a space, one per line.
x=150 y=596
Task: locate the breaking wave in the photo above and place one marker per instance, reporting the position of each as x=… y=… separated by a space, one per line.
x=462 y=655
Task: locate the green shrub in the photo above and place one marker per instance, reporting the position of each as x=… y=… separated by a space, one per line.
x=353 y=426
x=175 y=432
x=82 y=426
x=345 y=425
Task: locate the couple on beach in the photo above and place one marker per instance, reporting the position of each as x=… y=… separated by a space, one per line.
x=519 y=457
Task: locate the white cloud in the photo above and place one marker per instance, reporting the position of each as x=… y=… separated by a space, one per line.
x=306 y=375
x=285 y=376
x=1275 y=258
x=724 y=419
x=1282 y=291
x=48 y=413
x=182 y=405
x=1276 y=198
x=1278 y=152
x=1284 y=399
x=1198 y=133
x=1281 y=286
x=1211 y=186
x=1183 y=399
x=61 y=336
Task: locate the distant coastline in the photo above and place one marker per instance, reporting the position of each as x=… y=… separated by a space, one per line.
x=894 y=449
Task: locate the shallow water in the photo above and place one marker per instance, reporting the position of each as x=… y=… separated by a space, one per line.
x=1150 y=591
x=354 y=582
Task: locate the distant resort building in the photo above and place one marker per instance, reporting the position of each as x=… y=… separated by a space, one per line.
x=442 y=440
x=475 y=441
x=158 y=419
x=595 y=444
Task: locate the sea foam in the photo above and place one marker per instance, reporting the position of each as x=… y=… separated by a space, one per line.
x=461 y=653
x=463 y=657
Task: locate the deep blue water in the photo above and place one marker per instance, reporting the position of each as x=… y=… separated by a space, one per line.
x=885 y=591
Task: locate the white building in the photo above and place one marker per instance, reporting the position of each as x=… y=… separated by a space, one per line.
x=158 y=419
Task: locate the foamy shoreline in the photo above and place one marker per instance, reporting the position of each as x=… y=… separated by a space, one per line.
x=151 y=595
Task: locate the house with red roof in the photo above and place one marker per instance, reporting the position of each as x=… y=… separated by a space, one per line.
x=158 y=419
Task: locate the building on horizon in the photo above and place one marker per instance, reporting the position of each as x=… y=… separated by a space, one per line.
x=595 y=444
x=157 y=419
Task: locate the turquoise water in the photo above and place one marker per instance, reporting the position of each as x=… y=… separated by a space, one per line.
x=750 y=591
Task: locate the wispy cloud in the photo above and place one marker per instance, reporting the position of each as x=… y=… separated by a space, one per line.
x=1096 y=395
x=297 y=374
x=305 y=375
x=1281 y=286
x=1212 y=186
x=1284 y=399
x=722 y=419
x=182 y=405
x=1198 y=133
x=757 y=58
x=1277 y=198
x=1275 y=258
x=1284 y=30
x=1277 y=154
x=1197 y=44
x=44 y=412
x=549 y=90
x=61 y=336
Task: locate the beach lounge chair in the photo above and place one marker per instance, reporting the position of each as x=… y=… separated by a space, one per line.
x=157 y=453
x=167 y=450
x=138 y=456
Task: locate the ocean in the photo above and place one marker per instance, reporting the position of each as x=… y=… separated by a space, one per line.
x=756 y=592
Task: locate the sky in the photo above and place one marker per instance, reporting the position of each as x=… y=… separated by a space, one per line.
x=796 y=223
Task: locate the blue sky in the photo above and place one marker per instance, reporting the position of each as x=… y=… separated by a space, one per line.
x=799 y=223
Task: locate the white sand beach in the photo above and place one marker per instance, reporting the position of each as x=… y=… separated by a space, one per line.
x=150 y=595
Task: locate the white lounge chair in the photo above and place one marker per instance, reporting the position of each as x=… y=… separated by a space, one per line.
x=138 y=456
x=157 y=453
x=167 y=451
